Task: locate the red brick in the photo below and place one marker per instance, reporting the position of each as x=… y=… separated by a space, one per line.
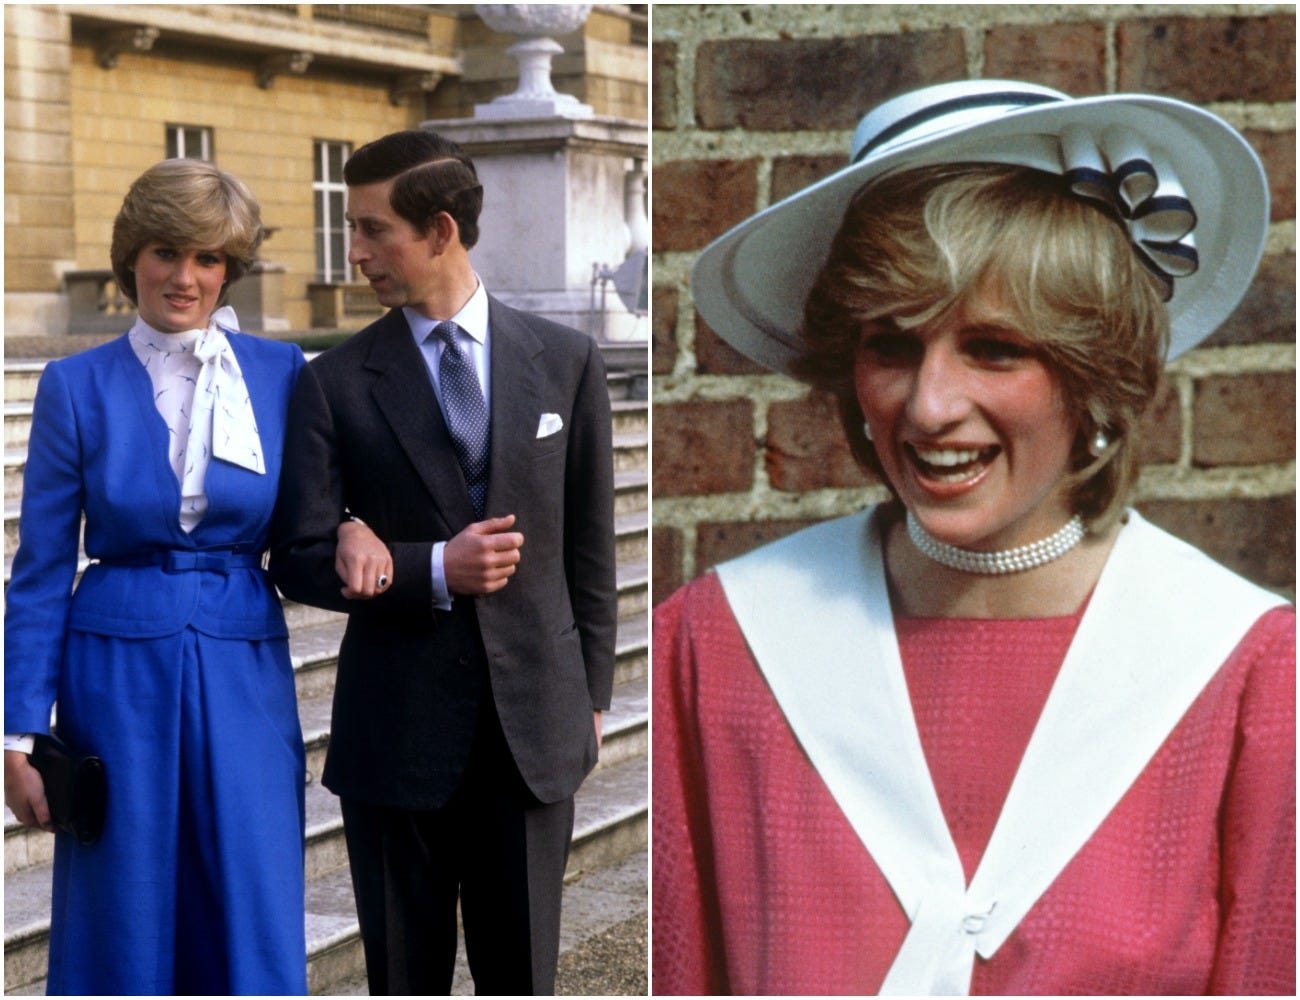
x=806 y=448
x=663 y=330
x=666 y=556
x=1256 y=538
x=1209 y=58
x=718 y=541
x=1243 y=419
x=1277 y=150
x=663 y=85
x=714 y=356
x=697 y=200
x=794 y=173
x=816 y=83
x=1160 y=432
x=1267 y=313
x=1069 y=57
x=703 y=448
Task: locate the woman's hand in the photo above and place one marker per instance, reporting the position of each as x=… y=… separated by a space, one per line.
x=362 y=562
x=25 y=791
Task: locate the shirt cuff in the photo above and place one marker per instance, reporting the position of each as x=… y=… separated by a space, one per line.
x=22 y=742
x=441 y=595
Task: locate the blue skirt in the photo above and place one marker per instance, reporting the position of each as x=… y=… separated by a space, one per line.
x=196 y=886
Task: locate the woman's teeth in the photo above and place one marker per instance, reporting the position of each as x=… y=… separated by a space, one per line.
x=952 y=465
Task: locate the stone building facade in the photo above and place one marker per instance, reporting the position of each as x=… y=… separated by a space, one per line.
x=753 y=102
x=275 y=93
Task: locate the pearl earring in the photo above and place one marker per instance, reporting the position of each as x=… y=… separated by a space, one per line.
x=866 y=430
x=1099 y=443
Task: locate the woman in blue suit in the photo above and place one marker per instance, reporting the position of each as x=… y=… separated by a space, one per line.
x=170 y=658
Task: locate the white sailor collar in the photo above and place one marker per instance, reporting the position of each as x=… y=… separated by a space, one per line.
x=1162 y=619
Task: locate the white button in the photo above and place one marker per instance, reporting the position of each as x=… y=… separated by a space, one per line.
x=974 y=923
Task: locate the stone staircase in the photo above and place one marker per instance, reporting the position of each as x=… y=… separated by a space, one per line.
x=607 y=862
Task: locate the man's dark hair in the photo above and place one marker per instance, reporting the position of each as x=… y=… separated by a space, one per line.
x=432 y=175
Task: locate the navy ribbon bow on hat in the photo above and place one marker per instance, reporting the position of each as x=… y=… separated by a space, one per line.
x=1140 y=189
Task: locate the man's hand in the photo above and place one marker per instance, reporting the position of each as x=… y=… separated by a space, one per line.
x=598 y=725
x=25 y=791
x=362 y=562
x=482 y=558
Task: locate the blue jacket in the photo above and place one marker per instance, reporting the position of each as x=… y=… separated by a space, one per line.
x=99 y=445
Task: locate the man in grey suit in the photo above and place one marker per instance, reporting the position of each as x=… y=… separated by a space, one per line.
x=448 y=482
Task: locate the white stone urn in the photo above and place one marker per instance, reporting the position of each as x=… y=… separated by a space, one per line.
x=534 y=97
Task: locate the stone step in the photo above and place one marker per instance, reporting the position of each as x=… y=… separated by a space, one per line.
x=20 y=378
x=303 y=616
x=631 y=531
x=18 y=424
x=631 y=451
x=314 y=652
x=633 y=589
x=315 y=635
x=611 y=824
x=631 y=490
x=631 y=548
x=631 y=479
x=596 y=901
x=632 y=536
x=297 y=616
x=11 y=532
x=625 y=736
x=15 y=462
x=631 y=416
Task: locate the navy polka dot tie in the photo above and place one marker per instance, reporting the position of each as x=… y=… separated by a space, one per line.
x=466 y=413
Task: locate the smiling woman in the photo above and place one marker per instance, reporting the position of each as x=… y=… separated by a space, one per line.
x=998 y=735
x=178 y=290
x=167 y=657
x=1029 y=280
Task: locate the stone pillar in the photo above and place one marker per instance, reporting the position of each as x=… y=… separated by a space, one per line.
x=554 y=209
x=556 y=205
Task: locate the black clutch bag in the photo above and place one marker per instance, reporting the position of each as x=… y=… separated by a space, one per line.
x=76 y=787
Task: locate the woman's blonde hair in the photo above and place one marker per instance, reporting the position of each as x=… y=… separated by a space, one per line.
x=188 y=205
x=916 y=245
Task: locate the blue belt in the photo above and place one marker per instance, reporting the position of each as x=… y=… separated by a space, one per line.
x=188 y=561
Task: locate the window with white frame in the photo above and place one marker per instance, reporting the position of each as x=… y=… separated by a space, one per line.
x=189 y=141
x=330 y=195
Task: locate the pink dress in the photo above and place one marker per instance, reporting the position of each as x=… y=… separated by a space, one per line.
x=761 y=886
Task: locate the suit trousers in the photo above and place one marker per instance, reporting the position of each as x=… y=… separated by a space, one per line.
x=494 y=847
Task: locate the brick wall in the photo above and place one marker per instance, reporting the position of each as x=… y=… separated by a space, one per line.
x=751 y=103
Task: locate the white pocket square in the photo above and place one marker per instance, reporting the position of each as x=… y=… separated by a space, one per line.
x=549 y=424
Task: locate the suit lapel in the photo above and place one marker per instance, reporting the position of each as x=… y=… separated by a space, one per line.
x=516 y=404
x=406 y=400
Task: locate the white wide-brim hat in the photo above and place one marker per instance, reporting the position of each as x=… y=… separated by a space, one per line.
x=1185 y=184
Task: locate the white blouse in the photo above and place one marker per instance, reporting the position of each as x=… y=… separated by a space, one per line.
x=200 y=393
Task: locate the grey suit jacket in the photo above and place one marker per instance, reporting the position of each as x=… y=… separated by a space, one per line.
x=366 y=434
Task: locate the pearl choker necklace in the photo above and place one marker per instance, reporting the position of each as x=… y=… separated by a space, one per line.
x=1008 y=560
